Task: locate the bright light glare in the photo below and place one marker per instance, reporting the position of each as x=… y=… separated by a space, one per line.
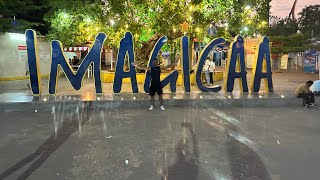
x=16 y=36
x=64 y=15
x=112 y=22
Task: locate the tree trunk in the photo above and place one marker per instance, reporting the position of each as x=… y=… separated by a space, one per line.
x=144 y=52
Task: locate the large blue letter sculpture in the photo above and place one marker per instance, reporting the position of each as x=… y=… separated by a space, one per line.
x=75 y=78
x=185 y=63
x=236 y=67
x=204 y=54
x=126 y=45
x=171 y=78
x=33 y=61
x=262 y=68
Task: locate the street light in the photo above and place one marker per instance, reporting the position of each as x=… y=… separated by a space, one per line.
x=88 y=20
x=111 y=22
x=174 y=30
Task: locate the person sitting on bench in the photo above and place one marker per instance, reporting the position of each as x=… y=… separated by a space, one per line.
x=303 y=91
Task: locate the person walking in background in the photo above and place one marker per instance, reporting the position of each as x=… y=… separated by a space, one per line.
x=27 y=73
x=155 y=86
x=212 y=68
x=304 y=92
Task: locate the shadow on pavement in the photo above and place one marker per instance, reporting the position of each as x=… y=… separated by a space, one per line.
x=187 y=163
x=245 y=163
x=68 y=127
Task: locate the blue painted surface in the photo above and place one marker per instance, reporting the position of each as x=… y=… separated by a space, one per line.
x=201 y=62
x=237 y=51
x=75 y=78
x=126 y=46
x=31 y=39
x=185 y=63
x=171 y=78
x=264 y=51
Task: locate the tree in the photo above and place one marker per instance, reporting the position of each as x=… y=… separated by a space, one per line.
x=289 y=35
x=293 y=43
x=283 y=27
x=240 y=17
x=77 y=21
x=283 y=34
x=309 y=20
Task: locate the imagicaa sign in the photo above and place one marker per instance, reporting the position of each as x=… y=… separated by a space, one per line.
x=236 y=68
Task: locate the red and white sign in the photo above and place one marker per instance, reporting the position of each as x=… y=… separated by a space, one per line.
x=22 y=54
x=22 y=47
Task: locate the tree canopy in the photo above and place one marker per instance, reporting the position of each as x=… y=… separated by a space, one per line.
x=309 y=20
x=78 y=21
x=289 y=35
x=145 y=18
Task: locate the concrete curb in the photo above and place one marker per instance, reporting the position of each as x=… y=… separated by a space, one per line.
x=135 y=104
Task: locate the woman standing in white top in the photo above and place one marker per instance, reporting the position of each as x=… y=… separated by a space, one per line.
x=207 y=71
x=212 y=68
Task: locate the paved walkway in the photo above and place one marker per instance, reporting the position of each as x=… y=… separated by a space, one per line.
x=200 y=136
x=181 y=143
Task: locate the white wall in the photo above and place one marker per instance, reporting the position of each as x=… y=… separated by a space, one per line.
x=10 y=65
